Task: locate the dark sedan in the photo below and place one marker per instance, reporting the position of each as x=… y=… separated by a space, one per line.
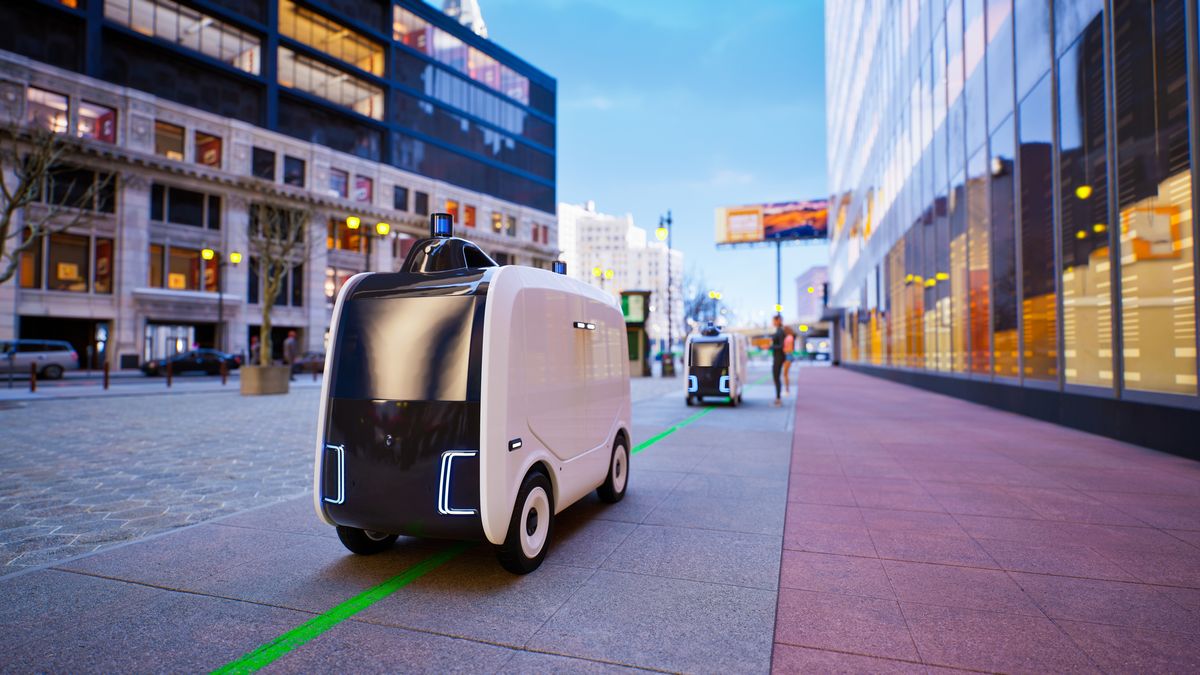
x=310 y=362
x=206 y=361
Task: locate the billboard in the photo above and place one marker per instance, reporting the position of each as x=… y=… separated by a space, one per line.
x=757 y=223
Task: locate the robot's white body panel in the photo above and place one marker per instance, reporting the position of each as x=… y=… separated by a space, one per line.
x=715 y=365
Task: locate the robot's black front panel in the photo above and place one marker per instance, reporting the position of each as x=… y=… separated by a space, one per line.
x=708 y=363
x=404 y=467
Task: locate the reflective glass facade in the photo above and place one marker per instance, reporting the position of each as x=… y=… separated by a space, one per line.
x=396 y=82
x=1013 y=184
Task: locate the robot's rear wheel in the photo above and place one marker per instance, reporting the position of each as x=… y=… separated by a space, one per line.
x=365 y=542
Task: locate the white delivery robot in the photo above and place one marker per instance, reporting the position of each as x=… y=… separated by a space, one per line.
x=715 y=365
x=465 y=400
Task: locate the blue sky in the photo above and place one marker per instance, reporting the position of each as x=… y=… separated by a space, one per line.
x=686 y=105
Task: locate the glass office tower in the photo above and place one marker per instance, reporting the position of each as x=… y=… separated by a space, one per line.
x=1012 y=208
x=391 y=81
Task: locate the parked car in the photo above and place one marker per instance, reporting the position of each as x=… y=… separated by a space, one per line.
x=53 y=357
x=197 y=360
x=310 y=362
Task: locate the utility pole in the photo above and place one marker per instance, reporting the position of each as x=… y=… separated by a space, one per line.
x=664 y=232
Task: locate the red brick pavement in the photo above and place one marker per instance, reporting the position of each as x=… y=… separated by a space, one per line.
x=923 y=530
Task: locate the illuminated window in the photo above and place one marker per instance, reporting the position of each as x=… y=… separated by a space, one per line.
x=208 y=150
x=184 y=26
x=328 y=36
x=185 y=269
x=342 y=237
x=414 y=32
x=97 y=123
x=46 y=110
x=364 y=189
x=452 y=209
x=168 y=140
x=336 y=86
x=67 y=263
x=497 y=222
x=469 y=215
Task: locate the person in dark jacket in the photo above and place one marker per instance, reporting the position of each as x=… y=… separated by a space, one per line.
x=777 y=355
x=290 y=353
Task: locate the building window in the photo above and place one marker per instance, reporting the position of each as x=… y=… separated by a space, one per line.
x=293 y=171
x=1039 y=313
x=469 y=215
x=364 y=189
x=46 y=110
x=156 y=266
x=185 y=269
x=334 y=280
x=186 y=27
x=545 y=234
x=208 y=150
x=510 y=227
x=262 y=164
x=31 y=263
x=342 y=237
x=168 y=140
x=535 y=233
x=68 y=263
x=332 y=84
x=97 y=123
x=416 y=33
x=330 y=37
x=452 y=209
x=421 y=204
x=339 y=183
x=102 y=276
x=297 y=286
x=80 y=188
x=253 y=283
x=170 y=204
x=400 y=198
x=497 y=222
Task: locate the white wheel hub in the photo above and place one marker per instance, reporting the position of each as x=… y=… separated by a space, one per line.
x=534 y=525
x=620 y=469
x=375 y=536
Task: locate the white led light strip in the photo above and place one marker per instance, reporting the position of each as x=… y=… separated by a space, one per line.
x=443 y=505
x=341 y=474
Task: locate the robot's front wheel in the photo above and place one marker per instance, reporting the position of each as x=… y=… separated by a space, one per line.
x=613 y=489
x=365 y=542
x=528 y=537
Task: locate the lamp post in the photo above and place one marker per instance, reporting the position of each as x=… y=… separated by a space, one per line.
x=234 y=258
x=603 y=274
x=663 y=233
x=716 y=297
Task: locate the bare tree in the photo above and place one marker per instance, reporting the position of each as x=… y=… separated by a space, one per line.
x=279 y=241
x=40 y=193
x=698 y=307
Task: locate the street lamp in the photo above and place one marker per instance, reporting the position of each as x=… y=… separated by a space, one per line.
x=234 y=258
x=715 y=295
x=663 y=233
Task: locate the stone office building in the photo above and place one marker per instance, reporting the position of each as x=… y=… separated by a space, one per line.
x=198 y=111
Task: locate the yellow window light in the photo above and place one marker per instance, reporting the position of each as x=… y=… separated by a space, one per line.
x=1083 y=191
x=1099 y=227
x=930 y=283
x=235 y=257
x=382 y=229
x=353 y=222
x=207 y=253
x=918 y=278
x=1081 y=235
x=908 y=278
x=943 y=276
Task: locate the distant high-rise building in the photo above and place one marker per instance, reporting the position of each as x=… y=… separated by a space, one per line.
x=467 y=13
x=1012 y=207
x=810 y=294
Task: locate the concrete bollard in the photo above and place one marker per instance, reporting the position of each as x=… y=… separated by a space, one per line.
x=168 y=373
x=224 y=372
x=32 y=378
x=314 y=372
x=105 y=375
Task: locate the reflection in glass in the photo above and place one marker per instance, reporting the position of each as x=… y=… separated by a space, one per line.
x=1032 y=27
x=1039 y=313
x=1086 y=270
x=68 y=263
x=999 y=61
x=1004 y=252
x=1154 y=196
x=334 y=85
x=978 y=263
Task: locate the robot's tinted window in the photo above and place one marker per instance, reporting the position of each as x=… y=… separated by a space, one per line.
x=404 y=349
x=710 y=354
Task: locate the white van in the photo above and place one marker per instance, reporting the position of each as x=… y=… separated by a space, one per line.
x=464 y=400
x=714 y=365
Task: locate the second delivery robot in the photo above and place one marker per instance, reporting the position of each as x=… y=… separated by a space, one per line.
x=466 y=400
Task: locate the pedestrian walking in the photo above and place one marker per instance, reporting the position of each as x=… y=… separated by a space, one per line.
x=289 y=353
x=255 y=351
x=777 y=355
x=789 y=355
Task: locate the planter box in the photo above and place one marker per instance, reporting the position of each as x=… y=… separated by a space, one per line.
x=259 y=380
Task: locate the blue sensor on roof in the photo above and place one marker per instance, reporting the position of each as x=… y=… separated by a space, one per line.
x=441 y=225
x=559 y=267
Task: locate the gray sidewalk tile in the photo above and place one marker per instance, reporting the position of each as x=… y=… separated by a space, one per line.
x=734 y=515
x=584 y=541
x=40 y=604
x=473 y=597
x=668 y=624
x=537 y=663
x=700 y=555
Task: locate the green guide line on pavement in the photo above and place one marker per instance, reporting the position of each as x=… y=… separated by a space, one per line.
x=268 y=653
x=669 y=430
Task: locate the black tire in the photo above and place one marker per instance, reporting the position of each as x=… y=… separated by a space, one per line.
x=689 y=400
x=533 y=517
x=363 y=542
x=52 y=372
x=613 y=489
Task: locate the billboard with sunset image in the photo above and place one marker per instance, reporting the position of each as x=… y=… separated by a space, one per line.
x=757 y=223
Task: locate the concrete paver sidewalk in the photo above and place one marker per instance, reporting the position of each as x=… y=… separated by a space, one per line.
x=923 y=530
x=679 y=576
